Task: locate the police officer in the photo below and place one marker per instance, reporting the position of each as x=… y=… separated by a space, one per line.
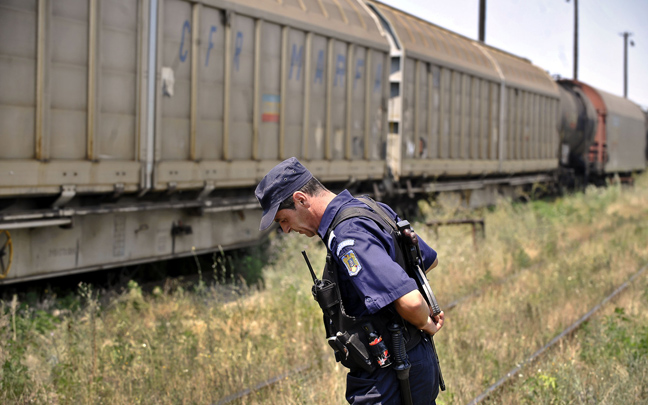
x=369 y=278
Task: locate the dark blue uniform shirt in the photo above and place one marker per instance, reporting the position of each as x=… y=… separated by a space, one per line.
x=369 y=276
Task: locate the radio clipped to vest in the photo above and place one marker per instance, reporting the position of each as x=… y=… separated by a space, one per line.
x=324 y=291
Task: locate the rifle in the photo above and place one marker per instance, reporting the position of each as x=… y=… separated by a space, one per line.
x=412 y=251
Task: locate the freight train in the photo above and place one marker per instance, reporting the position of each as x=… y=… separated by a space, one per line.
x=135 y=130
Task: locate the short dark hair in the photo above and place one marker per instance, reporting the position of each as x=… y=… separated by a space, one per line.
x=313 y=188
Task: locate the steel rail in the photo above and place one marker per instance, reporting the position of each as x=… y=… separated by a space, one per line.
x=556 y=339
x=261 y=385
x=478 y=292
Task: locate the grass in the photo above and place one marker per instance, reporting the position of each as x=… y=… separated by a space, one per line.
x=606 y=362
x=541 y=266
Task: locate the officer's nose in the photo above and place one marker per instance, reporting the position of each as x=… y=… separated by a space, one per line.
x=285 y=228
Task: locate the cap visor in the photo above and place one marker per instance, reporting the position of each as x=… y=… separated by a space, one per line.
x=268 y=218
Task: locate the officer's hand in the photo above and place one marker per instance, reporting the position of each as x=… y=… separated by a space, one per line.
x=436 y=324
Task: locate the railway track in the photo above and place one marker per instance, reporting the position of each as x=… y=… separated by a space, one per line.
x=564 y=334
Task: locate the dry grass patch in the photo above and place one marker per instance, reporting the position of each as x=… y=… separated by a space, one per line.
x=557 y=260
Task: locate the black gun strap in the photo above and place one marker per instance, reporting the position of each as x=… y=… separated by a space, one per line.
x=354 y=212
x=381 y=220
x=378 y=215
x=378 y=209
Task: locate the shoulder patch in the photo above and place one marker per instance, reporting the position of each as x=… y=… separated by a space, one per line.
x=351 y=263
x=343 y=244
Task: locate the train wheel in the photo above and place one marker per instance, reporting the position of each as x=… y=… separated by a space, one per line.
x=6 y=253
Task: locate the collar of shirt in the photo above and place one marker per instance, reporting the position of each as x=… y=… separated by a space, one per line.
x=331 y=210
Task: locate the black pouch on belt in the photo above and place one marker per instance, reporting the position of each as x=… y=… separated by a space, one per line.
x=357 y=354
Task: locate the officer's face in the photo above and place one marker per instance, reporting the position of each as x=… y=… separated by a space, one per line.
x=299 y=220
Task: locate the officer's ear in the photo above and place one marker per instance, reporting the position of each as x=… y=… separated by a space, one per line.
x=301 y=198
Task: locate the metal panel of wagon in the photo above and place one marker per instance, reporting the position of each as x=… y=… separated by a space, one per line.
x=625 y=134
x=71 y=79
x=238 y=85
x=449 y=105
x=245 y=84
x=530 y=135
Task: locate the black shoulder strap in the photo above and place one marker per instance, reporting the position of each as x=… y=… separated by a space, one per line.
x=378 y=209
x=378 y=215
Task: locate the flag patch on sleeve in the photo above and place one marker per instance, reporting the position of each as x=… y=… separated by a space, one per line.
x=351 y=263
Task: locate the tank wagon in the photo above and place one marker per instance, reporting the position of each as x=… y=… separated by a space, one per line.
x=578 y=122
x=601 y=134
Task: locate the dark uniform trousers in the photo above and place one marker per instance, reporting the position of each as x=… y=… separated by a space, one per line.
x=382 y=386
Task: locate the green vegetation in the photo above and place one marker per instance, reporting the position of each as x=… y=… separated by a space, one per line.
x=606 y=362
x=541 y=266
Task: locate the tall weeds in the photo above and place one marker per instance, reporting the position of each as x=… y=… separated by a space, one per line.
x=540 y=267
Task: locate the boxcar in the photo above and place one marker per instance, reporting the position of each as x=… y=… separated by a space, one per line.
x=133 y=131
x=459 y=108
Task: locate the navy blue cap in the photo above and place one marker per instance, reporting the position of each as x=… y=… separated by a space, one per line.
x=280 y=183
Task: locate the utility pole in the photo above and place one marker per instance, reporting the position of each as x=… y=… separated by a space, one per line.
x=625 y=36
x=482 y=20
x=575 y=39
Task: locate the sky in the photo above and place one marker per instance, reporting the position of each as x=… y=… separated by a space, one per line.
x=543 y=32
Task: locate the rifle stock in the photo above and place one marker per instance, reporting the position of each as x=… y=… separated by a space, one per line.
x=413 y=252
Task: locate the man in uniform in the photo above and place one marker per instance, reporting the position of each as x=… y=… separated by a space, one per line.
x=368 y=275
